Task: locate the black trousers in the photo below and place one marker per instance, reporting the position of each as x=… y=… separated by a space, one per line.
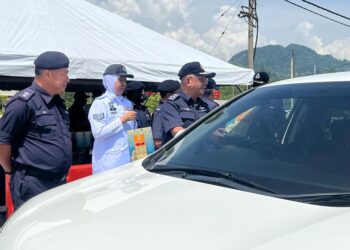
x=23 y=186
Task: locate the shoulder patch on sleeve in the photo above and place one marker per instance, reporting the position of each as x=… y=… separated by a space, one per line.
x=173 y=97
x=98 y=117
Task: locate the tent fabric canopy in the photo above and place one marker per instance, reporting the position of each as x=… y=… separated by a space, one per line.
x=94 y=38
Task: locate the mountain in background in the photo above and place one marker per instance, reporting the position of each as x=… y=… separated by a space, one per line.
x=275 y=60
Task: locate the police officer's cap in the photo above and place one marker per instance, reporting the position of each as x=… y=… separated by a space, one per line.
x=168 y=86
x=52 y=60
x=196 y=69
x=134 y=86
x=211 y=84
x=261 y=78
x=117 y=69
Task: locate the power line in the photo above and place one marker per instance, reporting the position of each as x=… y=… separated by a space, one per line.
x=228 y=24
x=233 y=16
x=339 y=66
x=317 y=13
x=335 y=13
x=215 y=21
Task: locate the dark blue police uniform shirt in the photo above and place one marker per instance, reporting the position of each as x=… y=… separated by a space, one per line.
x=157 y=124
x=37 y=126
x=212 y=104
x=181 y=110
x=143 y=117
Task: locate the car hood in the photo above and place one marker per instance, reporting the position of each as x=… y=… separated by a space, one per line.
x=131 y=208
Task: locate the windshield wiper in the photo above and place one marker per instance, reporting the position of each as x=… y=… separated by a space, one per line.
x=185 y=172
x=323 y=198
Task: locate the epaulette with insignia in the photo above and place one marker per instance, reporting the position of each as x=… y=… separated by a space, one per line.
x=26 y=94
x=173 y=97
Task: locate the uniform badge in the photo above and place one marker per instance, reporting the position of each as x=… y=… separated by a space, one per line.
x=98 y=117
x=185 y=109
x=173 y=97
x=25 y=94
x=111 y=107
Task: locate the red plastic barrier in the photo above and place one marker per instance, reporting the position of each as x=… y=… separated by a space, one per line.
x=216 y=94
x=79 y=171
x=8 y=200
x=75 y=172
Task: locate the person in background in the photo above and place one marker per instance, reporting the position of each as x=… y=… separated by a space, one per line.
x=111 y=116
x=135 y=93
x=166 y=89
x=260 y=78
x=208 y=94
x=186 y=106
x=77 y=115
x=95 y=93
x=35 y=143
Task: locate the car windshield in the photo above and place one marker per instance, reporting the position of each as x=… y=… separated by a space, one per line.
x=293 y=139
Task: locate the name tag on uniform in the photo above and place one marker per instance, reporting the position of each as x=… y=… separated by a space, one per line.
x=111 y=106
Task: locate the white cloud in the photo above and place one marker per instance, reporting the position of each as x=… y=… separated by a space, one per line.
x=125 y=8
x=233 y=40
x=337 y=48
x=304 y=28
x=174 y=18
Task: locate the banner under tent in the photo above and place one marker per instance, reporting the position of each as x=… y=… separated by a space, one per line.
x=93 y=38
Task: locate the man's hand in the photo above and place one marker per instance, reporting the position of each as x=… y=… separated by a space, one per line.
x=5 y=157
x=176 y=130
x=128 y=116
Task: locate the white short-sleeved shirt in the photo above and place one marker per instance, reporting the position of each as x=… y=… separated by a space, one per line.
x=111 y=148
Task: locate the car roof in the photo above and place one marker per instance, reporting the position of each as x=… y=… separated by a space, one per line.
x=330 y=77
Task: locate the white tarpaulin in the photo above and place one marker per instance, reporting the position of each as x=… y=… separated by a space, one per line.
x=94 y=38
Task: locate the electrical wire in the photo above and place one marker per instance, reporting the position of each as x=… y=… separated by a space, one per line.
x=215 y=21
x=233 y=16
x=316 y=13
x=320 y=7
x=339 y=66
x=222 y=34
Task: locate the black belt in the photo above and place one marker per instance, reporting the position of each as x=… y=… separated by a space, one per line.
x=36 y=172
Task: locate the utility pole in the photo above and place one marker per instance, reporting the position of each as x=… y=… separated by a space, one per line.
x=249 y=13
x=250 y=34
x=292 y=65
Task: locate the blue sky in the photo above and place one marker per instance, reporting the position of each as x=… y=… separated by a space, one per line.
x=279 y=23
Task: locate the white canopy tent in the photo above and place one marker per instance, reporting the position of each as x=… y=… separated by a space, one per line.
x=94 y=38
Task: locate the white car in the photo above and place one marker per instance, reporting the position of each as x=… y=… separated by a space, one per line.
x=267 y=170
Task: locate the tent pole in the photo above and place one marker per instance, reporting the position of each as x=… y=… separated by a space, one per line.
x=239 y=89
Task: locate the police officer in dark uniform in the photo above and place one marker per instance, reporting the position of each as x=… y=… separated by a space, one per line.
x=186 y=106
x=35 y=144
x=208 y=94
x=166 y=89
x=134 y=91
